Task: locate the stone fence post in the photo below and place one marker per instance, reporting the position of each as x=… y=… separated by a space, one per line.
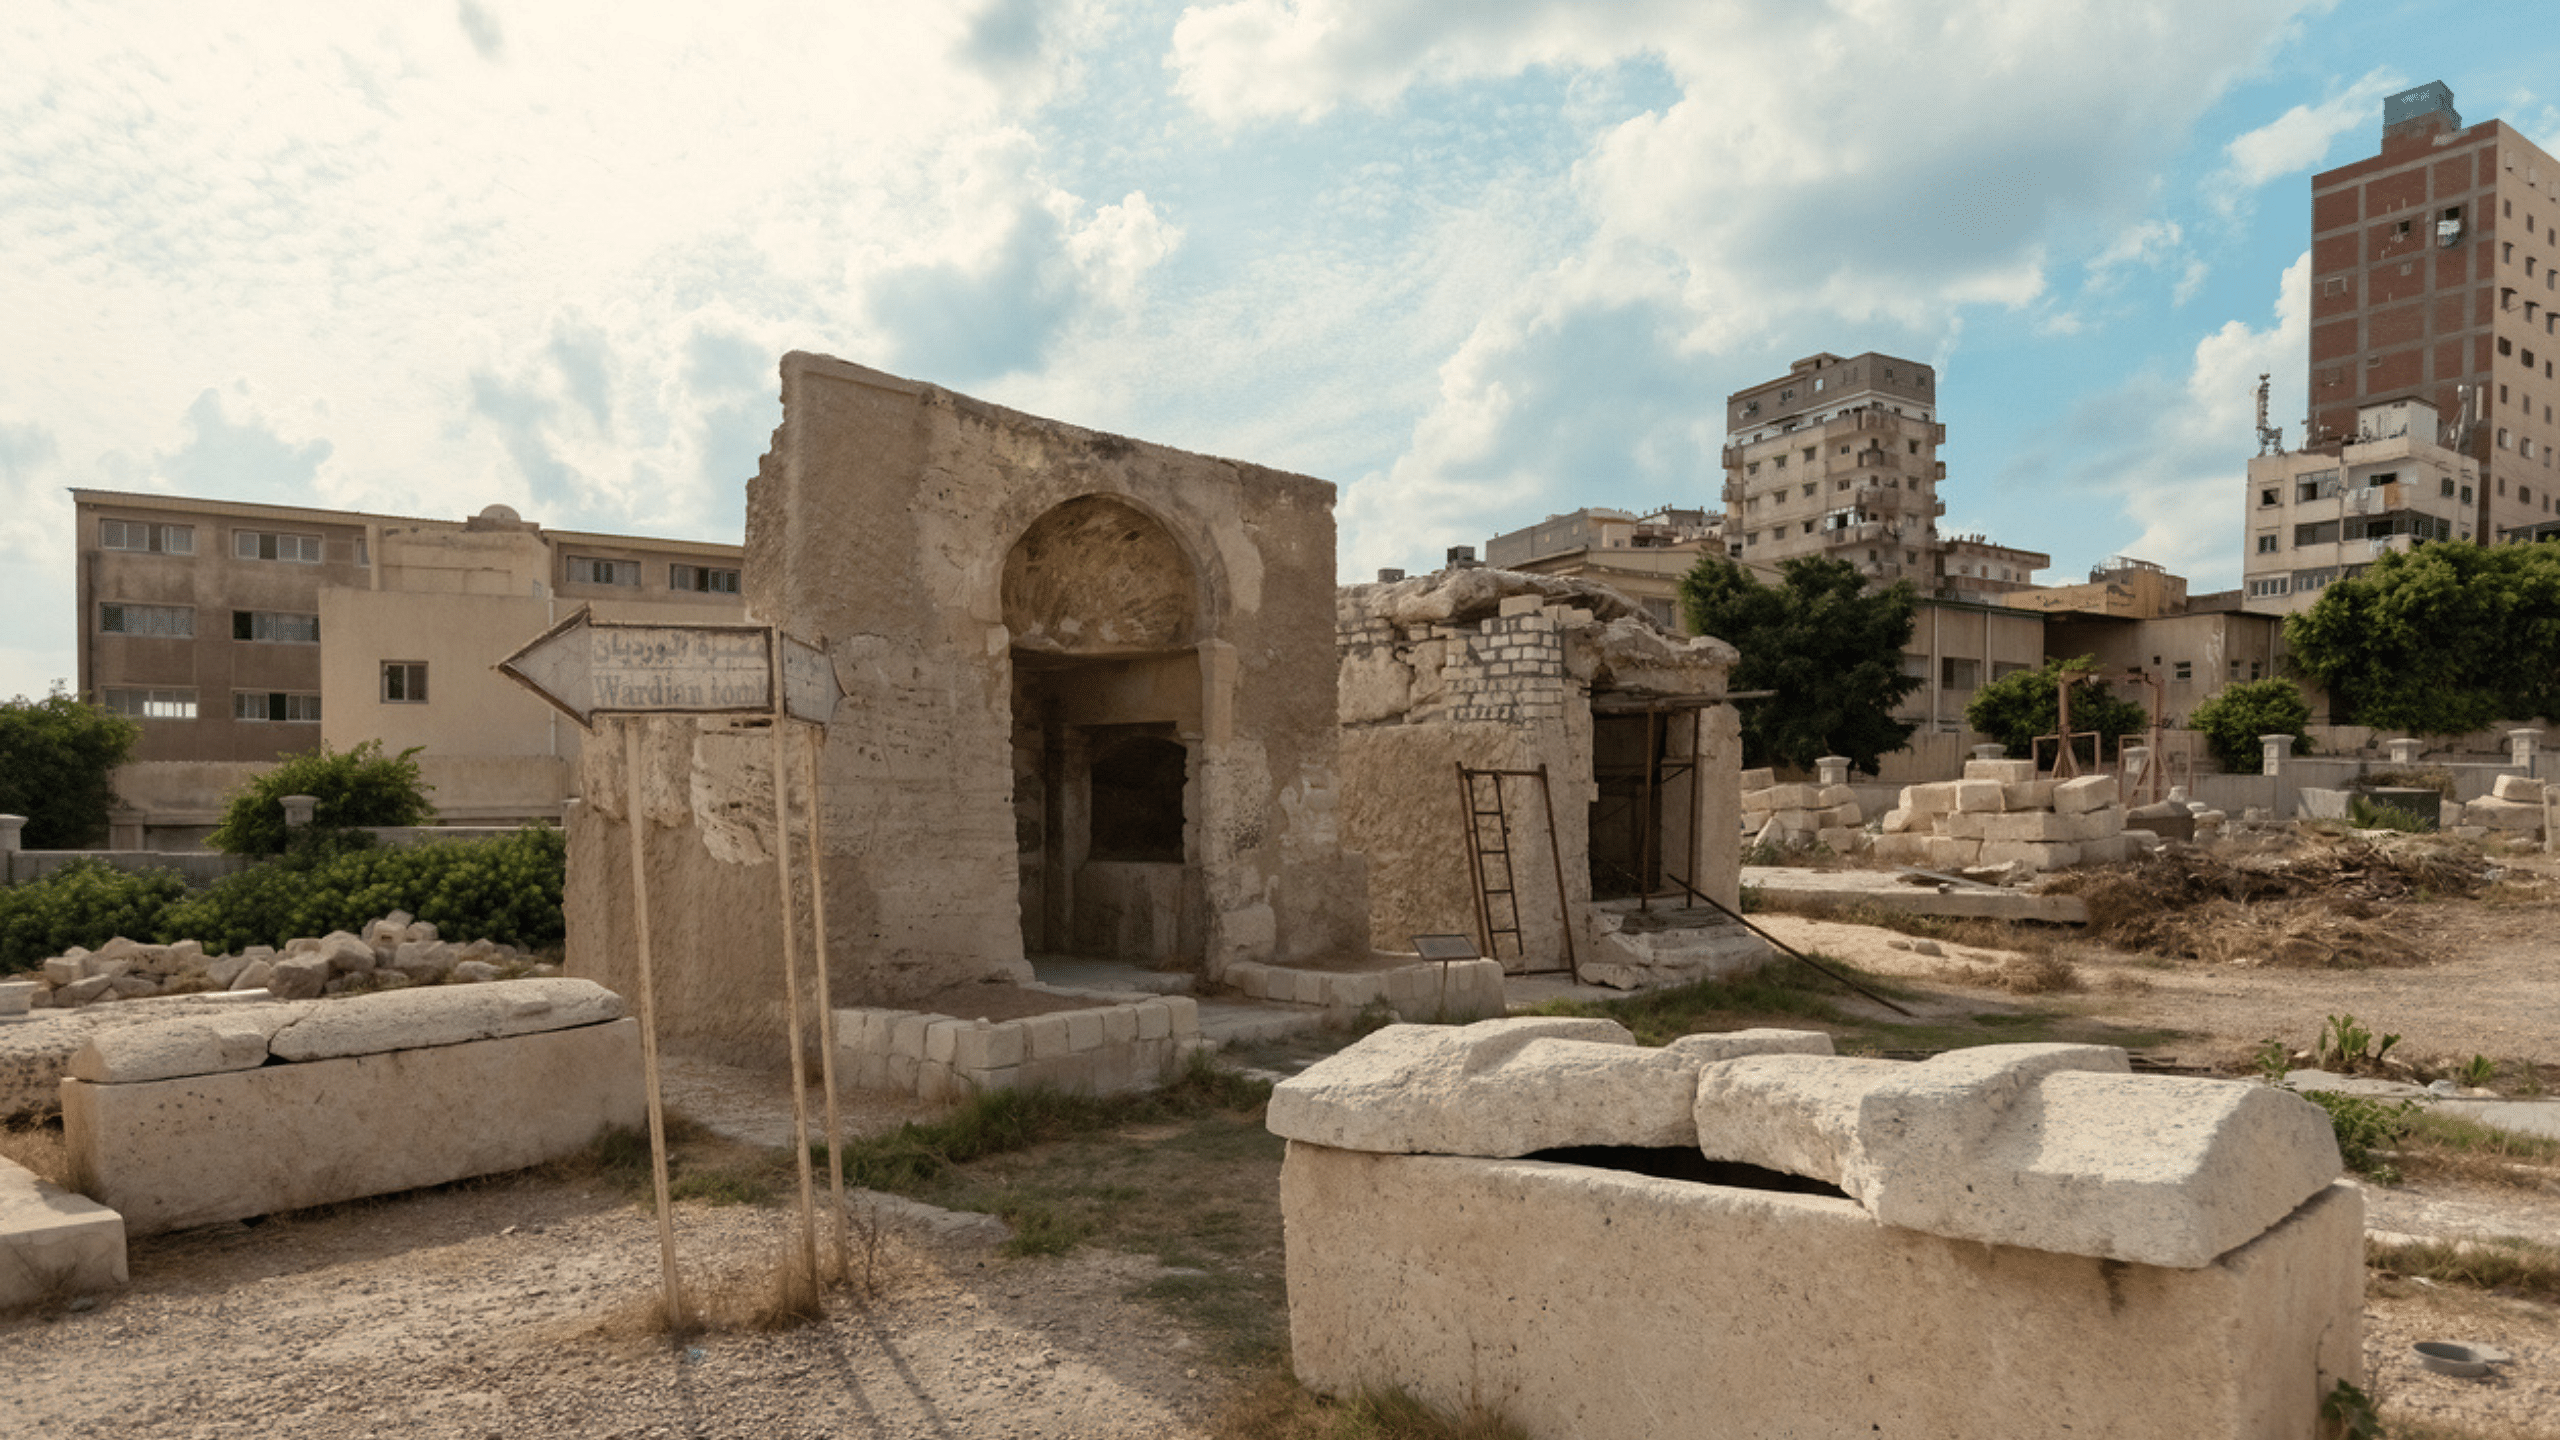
x=2405 y=751
x=1990 y=752
x=1832 y=769
x=2523 y=746
x=127 y=827
x=298 y=810
x=2275 y=751
x=10 y=825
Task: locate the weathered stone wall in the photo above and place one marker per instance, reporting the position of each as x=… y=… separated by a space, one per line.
x=937 y=547
x=1495 y=670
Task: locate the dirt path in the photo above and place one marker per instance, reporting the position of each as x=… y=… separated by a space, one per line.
x=511 y=1309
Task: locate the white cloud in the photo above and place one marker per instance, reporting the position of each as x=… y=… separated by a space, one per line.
x=2299 y=139
x=2171 y=454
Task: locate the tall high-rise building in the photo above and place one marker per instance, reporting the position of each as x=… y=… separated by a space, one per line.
x=2433 y=279
x=1838 y=458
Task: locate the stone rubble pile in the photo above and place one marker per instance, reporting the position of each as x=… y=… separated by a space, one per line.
x=2514 y=803
x=2001 y=814
x=395 y=951
x=1790 y=817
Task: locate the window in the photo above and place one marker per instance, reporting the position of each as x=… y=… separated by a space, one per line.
x=706 y=579
x=271 y=545
x=151 y=704
x=1751 y=469
x=364 y=555
x=2322 y=532
x=2445 y=486
x=276 y=708
x=2506 y=346
x=2268 y=495
x=277 y=627
x=2271 y=585
x=1810 y=449
x=2267 y=544
x=404 y=682
x=587 y=570
x=2466 y=494
x=176 y=621
x=2380 y=478
x=1777 y=462
x=2183 y=670
x=153 y=539
x=1808 y=491
x=1955 y=673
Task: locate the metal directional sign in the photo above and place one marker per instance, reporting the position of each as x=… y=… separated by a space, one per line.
x=587 y=667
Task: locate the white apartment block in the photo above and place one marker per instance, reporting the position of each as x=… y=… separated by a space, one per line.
x=2315 y=517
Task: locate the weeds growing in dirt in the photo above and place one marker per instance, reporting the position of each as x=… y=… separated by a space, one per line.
x=2507 y=1263
x=1281 y=1409
x=38 y=1149
x=2365 y=1127
x=2456 y=1147
x=2347 y=1046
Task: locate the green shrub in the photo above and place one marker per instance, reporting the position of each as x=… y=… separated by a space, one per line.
x=2233 y=719
x=507 y=889
x=55 y=757
x=355 y=787
x=85 y=903
x=2366 y=813
x=2364 y=1127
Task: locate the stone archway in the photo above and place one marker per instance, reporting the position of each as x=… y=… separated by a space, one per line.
x=1104 y=608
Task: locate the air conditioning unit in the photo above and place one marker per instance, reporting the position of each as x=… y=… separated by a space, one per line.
x=2448 y=233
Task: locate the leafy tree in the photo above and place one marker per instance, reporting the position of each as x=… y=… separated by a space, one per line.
x=2234 y=718
x=2439 y=640
x=355 y=787
x=1830 y=648
x=2021 y=705
x=55 y=756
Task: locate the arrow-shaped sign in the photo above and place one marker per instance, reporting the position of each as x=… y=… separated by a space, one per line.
x=587 y=667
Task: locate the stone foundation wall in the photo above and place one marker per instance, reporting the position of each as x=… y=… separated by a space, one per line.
x=1463 y=990
x=1105 y=1050
x=2001 y=814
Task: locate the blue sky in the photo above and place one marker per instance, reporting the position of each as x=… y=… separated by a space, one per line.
x=1474 y=263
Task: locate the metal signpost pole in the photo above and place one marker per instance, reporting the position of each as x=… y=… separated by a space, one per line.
x=791 y=974
x=826 y=1007
x=635 y=820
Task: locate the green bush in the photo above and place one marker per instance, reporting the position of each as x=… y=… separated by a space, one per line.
x=55 y=757
x=355 y=787
x=85 y=903
x=2019 y=706
x=2233 y=719
x=507 y=889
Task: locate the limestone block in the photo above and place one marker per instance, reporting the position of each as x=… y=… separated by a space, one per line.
x=1770 y=836
x=81 y=992
x=1841 y=839
x=2497 y=814
x=1848 y=813
x=2106 y=850
x=1896 y=821
x=423 y=959
x=224 y=969
x=2048 y=1147
x=469 y=972
x=1795 y=797
x=2032 y=854
x=1904 y=849
x=348 y=956
x=1967 y=824
x=198 y=1044
x=133 y=987
x=986 y=1046
x=1496 y=1087
x=942 y=1040
x=54 y=1242
x=1044 y=1037
x=1796 y=822
x=1935 y=799
x=1946 y=852
x=2041 y=825
x=167 y=1154
x=906 y=1035
x=256 y=975
x=64 y=970
x=106 y=967
x=1604 y=1305
x=2522 y=788
x=1979 y=795
x=1184 y=1013
x=1155 y=1020
x=2145 y=841
x=2027 y=794
x=1084 y=1030
x=1832 y=797
x=1760 y=779
x=441 y=1015
x=299 y=977
x=2089 y=792
x=1120 y=1025
x=1249 y=979
x=1730 y=1044
x=302 y=945
x=2005 y=771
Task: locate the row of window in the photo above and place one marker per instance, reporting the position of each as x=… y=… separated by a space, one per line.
x=404 y=682
x=260 y=706
x=2301 y=582
x=145 y=537
x=178 y=622
x=701 y=579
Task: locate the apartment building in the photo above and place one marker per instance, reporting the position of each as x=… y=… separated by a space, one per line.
x=1640 y=556
x=2315 y=517
x=1973 y=567
x=2433 y=280
x=1839 y=458
x=238 y=632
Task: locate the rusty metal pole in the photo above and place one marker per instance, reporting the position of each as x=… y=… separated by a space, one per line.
x=635 y=820
x=791 y=970
x=826 y=1005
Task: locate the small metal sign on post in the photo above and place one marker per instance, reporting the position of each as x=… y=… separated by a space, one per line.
x=590 y=669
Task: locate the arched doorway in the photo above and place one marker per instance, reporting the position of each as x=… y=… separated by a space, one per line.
x=1103 y=605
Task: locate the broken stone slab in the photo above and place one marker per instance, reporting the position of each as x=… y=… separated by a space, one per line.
x=2523 y=788
x=1732 y=1044
x=442 y=1015
x=53 y=1242
x=2007 y=772
x=258 y=974
x=1496 y=1088
x=2086 y=794
x=201 y=1044
x=298 y=977
x=347 y=955
x=2497 y=814
x=1974 y=796
x=81 y=992
x=2048 y=1147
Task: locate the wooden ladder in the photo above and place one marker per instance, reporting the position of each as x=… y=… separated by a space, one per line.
x=1483 y=803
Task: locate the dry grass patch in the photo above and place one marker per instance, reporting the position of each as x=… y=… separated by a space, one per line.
x=2438 y=1146
x=1281 y=1409
x=39 y=1150
x=2304 y=900
x=2509 y=1264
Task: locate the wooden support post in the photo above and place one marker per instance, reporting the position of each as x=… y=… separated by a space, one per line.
x=826 y=1008
x=791 y=978
x=636 y=820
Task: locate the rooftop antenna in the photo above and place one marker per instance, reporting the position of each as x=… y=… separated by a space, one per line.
x=2270 y=437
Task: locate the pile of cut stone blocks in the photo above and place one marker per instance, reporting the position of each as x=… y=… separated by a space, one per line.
x=2001 y=814
x=1790 y=817
x=2514 y=803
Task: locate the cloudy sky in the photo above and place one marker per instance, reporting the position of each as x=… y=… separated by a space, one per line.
x=1473 y=262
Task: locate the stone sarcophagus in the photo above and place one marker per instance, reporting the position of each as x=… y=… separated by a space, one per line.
x=1746 y=1235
